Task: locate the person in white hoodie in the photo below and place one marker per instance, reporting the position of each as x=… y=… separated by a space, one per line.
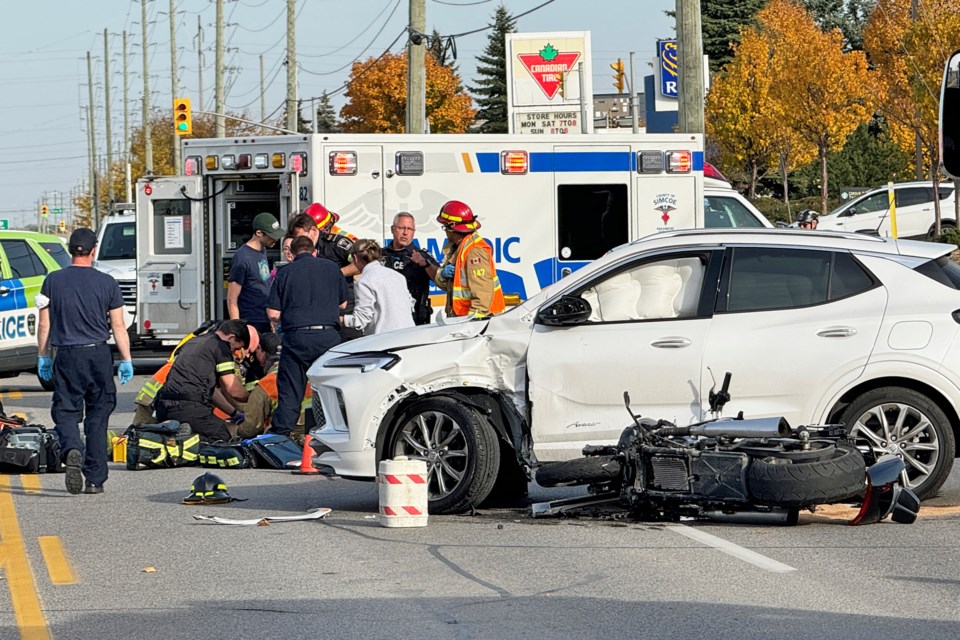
x=383 y=302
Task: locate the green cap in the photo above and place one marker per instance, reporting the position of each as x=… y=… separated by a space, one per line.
x=266 y=223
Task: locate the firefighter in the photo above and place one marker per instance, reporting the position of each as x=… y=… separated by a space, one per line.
x=337 y=245
x=467 y=273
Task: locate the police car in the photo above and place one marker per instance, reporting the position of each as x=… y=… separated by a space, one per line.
x=25 y=260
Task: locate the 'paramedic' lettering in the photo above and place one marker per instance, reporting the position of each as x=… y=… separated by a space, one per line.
x=13 y=327
x=503 y=248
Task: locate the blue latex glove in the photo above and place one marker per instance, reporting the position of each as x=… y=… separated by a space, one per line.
x=45 y=367
x=125 y=371
x=447 y=272
x=238 y=418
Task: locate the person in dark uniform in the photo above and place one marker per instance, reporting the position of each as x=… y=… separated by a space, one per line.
x=78 y=307
x=416 y=265
x=306 y=297
x=336 y=244
x=202 y=366
x=249 y=281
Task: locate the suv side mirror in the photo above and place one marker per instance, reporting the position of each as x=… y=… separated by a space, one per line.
x=568 y=310
x=950 y=117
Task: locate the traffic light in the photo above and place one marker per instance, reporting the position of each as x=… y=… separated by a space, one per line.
x=44 y=210
x=63 y=226
x=618 y=76
x=182 y=118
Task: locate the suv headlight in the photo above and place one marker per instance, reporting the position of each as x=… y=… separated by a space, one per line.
x=364 y=361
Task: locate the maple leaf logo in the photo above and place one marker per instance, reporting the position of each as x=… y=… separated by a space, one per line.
x=548 y=53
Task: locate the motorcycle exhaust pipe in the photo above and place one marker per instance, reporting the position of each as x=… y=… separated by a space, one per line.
x=752 y=428
x=785 y=517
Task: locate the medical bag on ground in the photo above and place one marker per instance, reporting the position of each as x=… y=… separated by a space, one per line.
x=226 y=455
x=27 y=448
x=274 y=451
x=161 y=446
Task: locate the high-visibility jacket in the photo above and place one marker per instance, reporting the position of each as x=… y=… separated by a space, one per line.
x=148 y=392
x=474 y=264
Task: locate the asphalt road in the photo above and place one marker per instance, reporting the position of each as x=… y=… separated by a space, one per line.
x=133 y=563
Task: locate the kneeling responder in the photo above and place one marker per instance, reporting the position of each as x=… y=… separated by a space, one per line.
x=467 y=273
x=204 y=365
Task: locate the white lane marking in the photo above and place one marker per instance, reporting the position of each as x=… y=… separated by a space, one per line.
x=754 y=558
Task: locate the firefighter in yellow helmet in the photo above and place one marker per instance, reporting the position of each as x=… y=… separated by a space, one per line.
x=467 y=273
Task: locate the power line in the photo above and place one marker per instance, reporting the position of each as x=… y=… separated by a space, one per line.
x=491 y=26
x=355 y=38
x=365 y=49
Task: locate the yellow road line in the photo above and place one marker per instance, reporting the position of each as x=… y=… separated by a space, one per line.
x=15 y=395
x=16 y=565
x=30 y=483
x=58 y=564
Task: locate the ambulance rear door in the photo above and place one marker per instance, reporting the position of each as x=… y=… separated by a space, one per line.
x=170 y=257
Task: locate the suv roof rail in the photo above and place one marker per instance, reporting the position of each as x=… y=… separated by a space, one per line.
x=809 y=233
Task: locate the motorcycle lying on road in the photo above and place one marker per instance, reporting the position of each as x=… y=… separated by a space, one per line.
x=731 y=469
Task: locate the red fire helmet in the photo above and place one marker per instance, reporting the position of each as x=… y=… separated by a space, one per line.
x=458 y=216
x=321 y=215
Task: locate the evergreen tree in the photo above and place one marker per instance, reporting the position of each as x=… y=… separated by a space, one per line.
x=491 y=87
x=326 y=116
x=849 y=16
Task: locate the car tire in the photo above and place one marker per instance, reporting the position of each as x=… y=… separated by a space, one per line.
x=929 y=451
x=780 y=482
x=944 y=227
x=459 y=446
x=580 y=471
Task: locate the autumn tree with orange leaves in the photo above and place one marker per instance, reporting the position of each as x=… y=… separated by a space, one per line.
x=377 y=97
x=909 y=54
x=825 y=93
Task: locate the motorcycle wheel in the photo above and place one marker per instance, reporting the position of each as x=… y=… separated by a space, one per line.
x=581 y=471
x=780 y=482
x=818 y=450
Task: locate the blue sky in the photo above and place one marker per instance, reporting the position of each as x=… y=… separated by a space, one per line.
x=43 y=71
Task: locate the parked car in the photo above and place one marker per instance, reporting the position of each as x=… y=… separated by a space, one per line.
x=25 y=260
x=724 y=207
x=818 y=327
x=870 y=213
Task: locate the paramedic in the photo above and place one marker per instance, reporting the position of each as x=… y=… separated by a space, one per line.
x=249 y=279
x=467 y=273
x=78 y=308
x=416 y=265
x=202 y=365
x=306 y=297
x=383 y=301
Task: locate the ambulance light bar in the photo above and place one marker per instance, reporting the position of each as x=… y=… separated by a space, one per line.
x=191 y=166
x=212 y=163
x=228 y=162
x=278 y=161
x=343 y=163
x=679 y=161
x=298 y=163
x=514 y=162
x=261 y=161
x=243 y=162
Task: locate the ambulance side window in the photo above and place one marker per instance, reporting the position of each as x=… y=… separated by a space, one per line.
x=591 y=219
x=172 y=227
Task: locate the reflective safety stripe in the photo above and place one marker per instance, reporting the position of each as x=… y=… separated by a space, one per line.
x=461 y=294
x=227 y=367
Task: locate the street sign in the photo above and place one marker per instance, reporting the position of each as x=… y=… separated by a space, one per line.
x=4 y=224
x=57 y=211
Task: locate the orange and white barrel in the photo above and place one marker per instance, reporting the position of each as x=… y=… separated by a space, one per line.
x=403 y=492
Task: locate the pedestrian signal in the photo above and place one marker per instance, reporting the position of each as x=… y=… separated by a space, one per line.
x=182 y=118
x=618 y=76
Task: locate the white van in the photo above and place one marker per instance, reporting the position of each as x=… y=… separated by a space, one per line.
x=870 y=213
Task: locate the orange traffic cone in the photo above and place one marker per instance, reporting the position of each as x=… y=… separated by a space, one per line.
x=306 y=462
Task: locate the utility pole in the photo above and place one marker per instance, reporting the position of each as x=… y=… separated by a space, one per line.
x=106 y=102
x=917 y=143
x=200 y=60
x=218 y=74
x=95 y=204
x=690 y=76
x=292 y=110
x=634 y=107
x=263 y=98
x=174 y=90
x=128 y=193
x=147 y=140
x=416 y=80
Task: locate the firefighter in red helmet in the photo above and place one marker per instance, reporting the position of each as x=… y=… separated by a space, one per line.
x=467 y=273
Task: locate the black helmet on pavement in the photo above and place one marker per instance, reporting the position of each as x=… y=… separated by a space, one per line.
x=208 y=489
x=807 y=216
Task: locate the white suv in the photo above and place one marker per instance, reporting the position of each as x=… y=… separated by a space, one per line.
x=117 y=257
x=870 y=213
x=815 y=326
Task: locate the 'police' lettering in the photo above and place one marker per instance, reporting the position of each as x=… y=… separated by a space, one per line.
x=13 y=327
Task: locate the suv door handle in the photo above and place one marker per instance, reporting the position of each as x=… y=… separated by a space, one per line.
x=837 y=332
x=671 y=343
x=4 y=290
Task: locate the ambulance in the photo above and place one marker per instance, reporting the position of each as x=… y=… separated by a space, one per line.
x=547 y=204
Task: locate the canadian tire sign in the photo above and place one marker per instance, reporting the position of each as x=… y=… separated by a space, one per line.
x=544 y=69
x=550 y=68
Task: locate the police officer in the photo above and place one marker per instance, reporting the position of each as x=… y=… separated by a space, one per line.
x=204 y=365
x=306 y=297
x=75 y=304
x=467 y=274
x=416 y=265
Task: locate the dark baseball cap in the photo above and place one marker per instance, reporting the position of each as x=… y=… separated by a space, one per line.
x=266 y=223
x=82 y=241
